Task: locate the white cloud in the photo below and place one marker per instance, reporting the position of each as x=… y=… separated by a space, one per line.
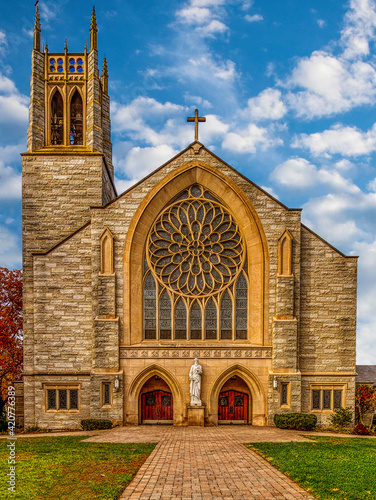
x=139 y=162
x=299 y=173
x=331 y=85
x=346 y=141
x=359 y=29
x=321 y=23
x=253 y=19
x=212 y=28
x=10 y=249
x=250 y=140
x=194 y=15
x=268 y=105
x=10 y=183
x=3 y=42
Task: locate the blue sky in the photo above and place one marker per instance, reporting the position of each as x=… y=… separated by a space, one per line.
x=288 y=89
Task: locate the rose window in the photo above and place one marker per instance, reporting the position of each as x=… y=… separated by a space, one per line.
x=195 y=247
x=195 y=272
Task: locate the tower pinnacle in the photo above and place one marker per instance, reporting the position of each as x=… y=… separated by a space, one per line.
x=93 y=31
x=37 y=29
x=105 y=77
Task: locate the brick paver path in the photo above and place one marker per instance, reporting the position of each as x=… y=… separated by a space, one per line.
x=207 y=463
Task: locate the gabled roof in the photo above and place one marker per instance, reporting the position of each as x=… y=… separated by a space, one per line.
x=366 y=374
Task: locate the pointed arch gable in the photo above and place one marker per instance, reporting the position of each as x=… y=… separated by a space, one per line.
x=259 y=400
x=242 y=210
x=107 y=252
x=142 y=377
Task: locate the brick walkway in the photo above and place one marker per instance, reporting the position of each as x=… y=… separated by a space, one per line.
x=206 y=463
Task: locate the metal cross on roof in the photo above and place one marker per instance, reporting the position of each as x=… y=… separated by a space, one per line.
x=196 y=119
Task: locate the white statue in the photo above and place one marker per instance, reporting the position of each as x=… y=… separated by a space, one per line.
x=195 y=386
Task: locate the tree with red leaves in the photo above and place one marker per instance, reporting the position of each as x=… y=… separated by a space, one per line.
x=365 y=400
x=11 y=332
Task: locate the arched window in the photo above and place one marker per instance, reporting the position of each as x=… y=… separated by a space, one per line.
x=76 y=119
x=57 y=119
x=165 y=316
x=226 y=317
x=196 y=322
x=150 y=307
x=211 y=320
x=241 y=308
x=180 y=320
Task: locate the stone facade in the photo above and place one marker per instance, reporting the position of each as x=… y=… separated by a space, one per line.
x=84 y=296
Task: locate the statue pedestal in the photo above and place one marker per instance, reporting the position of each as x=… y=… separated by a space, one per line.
x=196 y=415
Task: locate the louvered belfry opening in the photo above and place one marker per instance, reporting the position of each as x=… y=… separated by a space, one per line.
x=57 y=119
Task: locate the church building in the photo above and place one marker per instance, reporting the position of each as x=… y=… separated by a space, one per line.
x=123 y=291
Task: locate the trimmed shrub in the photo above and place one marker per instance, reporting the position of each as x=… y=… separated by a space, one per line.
x=341 y=417
x=361 y=430
x=93 y=424
x=298 y=421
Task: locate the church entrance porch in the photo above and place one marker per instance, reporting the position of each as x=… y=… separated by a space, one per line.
x=232 y=408
x=156 y=402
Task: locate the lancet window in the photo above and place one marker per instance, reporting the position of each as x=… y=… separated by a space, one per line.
x=76 y=119
x=57 y=119
x=195 y=272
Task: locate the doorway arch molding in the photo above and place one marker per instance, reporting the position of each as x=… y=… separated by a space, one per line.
x=238 y=204
x=134 y=392
x=258 y=396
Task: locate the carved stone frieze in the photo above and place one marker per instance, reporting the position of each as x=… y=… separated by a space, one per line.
x=126 y=352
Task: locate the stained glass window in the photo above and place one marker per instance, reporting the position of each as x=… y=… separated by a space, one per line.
x=73 y=399
x=166 y=400
x=51 y=399
x=63 y=401
x=239 y=400
x=327 y=399
x=57 y=119
x=284 y=388
x=316 y=400
x=180 y=320
x=196 y=322
x=165 y=316
x=195 y=254
x=337 y=398
x=211 y=320
x=76 y=119
x=241 y=308
x=150 y=307
x=106 y=393
x=223 y=400
x=226 y=316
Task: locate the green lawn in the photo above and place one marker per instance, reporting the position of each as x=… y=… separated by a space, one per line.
x=327 y=467
x=65 y=468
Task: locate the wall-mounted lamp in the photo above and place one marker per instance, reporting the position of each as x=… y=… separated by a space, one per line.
x=116 y=383
x=275 y=383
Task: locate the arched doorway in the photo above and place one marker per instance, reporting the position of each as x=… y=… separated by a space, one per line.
x=156 y=402
x=234 y=402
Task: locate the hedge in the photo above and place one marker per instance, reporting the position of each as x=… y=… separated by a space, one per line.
x=92 y=424
x=298 y=421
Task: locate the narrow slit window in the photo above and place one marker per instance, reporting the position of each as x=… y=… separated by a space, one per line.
x=165 y=316
x=57 y=119
x=180 y=320
x=211 y=320
x=241 y=309
x=150 y=307
x=196 y=322
x=284 y=393
x=76 y=120
x=226 y=317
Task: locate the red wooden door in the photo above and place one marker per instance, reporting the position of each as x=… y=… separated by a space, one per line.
x=233 y=405
x=157 y=405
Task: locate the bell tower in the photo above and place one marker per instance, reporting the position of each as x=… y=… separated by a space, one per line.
x=68 y=164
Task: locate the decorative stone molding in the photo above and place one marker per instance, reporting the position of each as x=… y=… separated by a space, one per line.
x=126 y=352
